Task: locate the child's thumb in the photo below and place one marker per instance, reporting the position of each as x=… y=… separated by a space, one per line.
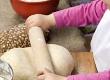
x=41 y=77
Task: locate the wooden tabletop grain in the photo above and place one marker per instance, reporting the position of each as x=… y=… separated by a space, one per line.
x=84 y=62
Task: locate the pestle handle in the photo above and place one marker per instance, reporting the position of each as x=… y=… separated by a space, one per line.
x=40 y=51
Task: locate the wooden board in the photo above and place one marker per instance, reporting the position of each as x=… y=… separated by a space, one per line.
x=84 y=63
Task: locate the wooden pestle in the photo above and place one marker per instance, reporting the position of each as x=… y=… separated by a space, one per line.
x=42 y=57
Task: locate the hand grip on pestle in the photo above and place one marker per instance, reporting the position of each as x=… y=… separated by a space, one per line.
x=40 y=51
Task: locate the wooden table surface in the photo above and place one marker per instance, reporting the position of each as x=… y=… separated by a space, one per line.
x=84 y=63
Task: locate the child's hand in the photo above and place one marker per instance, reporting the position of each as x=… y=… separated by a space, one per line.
x=47 y=75
x=43 y=21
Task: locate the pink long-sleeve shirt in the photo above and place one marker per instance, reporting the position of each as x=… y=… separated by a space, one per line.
x=95 y=76
x=82 y=15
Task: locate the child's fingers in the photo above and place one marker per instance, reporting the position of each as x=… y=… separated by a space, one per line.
x=40 y=73
x=31 y=24
x=28 y=23
x=43 y=72
x=27 y=20
x=41 y=77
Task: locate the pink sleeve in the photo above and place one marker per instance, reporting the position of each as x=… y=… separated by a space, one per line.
x=94 y=76
x=84 y=14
